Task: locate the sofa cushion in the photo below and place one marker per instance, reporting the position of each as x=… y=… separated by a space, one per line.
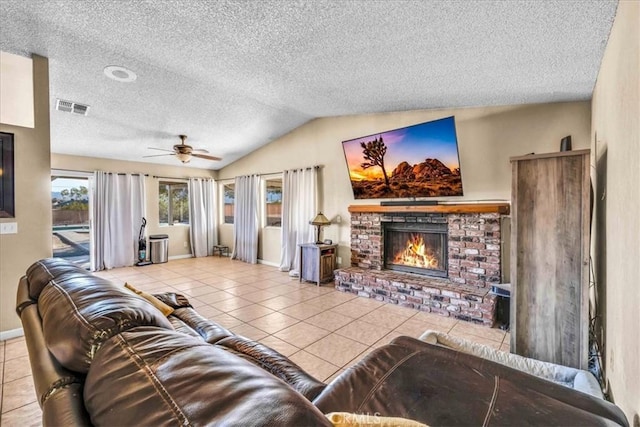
x=160 y=377
x=80 y=311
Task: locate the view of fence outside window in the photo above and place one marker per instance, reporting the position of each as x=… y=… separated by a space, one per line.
x=173 y=202
x=70 y=202
x=229 y=196
x=273 y=202
x=70 y=219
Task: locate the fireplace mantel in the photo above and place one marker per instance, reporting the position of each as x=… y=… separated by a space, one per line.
x=462 y=208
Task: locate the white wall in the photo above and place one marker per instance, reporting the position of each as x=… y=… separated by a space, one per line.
x=616 y=145
x=32 y=199
x=16 y=90
x=178 y=234
x=487 y=137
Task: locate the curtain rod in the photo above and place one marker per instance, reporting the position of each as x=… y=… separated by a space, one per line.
x=295 y=169
x=55 y=171
x=61 y=171
x=187 y=177
x=274 y=173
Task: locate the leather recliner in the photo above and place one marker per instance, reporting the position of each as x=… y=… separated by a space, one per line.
x=101 y=355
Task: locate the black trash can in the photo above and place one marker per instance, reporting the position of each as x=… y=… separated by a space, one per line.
x=159 y=245
x=503 y=302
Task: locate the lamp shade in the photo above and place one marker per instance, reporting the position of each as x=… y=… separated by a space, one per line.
x=320 y=219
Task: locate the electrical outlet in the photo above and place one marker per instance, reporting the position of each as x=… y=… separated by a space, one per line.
x=185 y=244
x=339 y=259
x=9 y=228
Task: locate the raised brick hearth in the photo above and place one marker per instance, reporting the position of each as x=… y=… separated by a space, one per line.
x=474 y=255
x=433 y=295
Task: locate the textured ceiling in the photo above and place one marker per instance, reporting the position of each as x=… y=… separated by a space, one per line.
x=234 y=75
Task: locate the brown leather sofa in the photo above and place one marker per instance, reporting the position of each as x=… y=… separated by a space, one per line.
x=101 y=355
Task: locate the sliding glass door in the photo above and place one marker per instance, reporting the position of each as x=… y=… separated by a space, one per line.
x=71 y=217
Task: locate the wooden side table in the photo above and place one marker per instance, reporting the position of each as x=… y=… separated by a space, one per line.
x=317 y=262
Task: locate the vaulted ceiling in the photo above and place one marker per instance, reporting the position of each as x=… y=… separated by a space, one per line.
x=235 y=75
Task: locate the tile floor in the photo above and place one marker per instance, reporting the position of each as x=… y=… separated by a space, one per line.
x=319 y=328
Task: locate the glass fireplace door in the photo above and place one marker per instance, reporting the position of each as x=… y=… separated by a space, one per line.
x=416 y=251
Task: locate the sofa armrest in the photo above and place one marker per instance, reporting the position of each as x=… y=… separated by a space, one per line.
x=577 y=379
x=208 y=330
x=439 y=386
x=187 y=320
x=173 y=300
x=274 y=363
x=58 y=390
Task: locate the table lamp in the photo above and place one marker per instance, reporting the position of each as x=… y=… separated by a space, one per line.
x=319 y=221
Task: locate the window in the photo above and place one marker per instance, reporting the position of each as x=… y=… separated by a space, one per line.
x=7 y=198
x=229 y=194
x=273 y=202
x=173 y=203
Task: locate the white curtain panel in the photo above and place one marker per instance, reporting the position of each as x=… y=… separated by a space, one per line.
x=202 y=216
x=245 y=218
x=299 y=206
x=118 y=208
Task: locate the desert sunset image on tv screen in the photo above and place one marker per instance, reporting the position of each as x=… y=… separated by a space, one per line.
x=416 y=161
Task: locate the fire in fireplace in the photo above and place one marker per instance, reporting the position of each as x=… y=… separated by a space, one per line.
x=416 y=248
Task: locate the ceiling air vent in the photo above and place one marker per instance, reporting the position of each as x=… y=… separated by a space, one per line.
x=72 y=107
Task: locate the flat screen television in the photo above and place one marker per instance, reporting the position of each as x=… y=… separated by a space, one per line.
x=411 y=162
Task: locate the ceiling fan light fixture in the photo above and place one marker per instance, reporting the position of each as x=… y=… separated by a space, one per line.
x=184 y=157
x=120 y=74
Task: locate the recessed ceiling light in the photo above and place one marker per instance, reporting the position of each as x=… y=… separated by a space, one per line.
x=120 y=74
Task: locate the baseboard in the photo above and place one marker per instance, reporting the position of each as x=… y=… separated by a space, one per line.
x=13 y=333
x=180 y=257
x=269 y=263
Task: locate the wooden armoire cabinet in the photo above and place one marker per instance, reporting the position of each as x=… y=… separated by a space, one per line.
x=550 y=212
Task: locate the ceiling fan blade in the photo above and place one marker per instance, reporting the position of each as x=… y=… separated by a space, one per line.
x=202 y=150
x=160 y=149
x=160 y=155
x=204 y=156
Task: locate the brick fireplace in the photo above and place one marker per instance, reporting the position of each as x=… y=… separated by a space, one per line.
x=440 y=258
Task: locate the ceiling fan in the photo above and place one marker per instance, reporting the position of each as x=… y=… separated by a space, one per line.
x=184 y=152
